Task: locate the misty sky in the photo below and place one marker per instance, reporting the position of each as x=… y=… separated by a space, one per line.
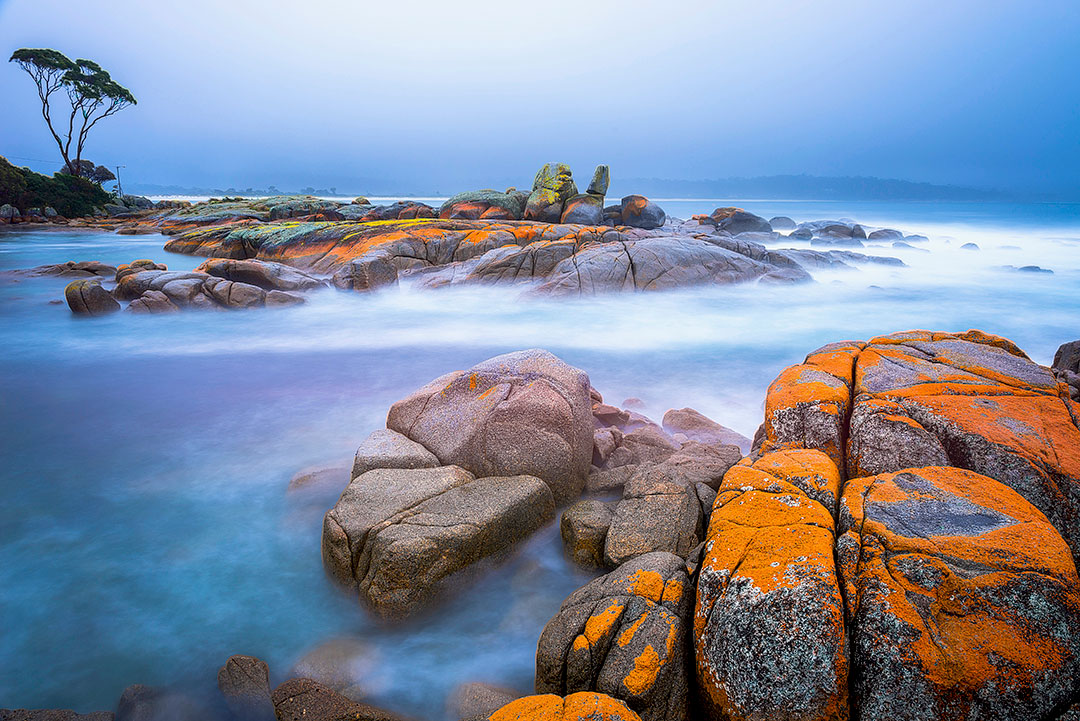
x=411 y=95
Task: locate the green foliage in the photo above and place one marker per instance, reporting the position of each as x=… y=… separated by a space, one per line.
x=70 y=196
x=91 y=91
x=41 y=60
x=86 y=169
x=89 y=82
x=12 y=184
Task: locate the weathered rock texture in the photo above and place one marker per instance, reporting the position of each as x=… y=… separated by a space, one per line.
x=959 y=592
x=520 y=413
x=956 y=594
x=396 y=535
x=575 y=707
x=624 y=634
x=769 y=621
x=582 y=257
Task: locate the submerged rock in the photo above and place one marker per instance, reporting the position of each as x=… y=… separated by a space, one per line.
x=51 y=714
x=302 y=699
x=70 y=269
x=245 y=683
x=477 y=701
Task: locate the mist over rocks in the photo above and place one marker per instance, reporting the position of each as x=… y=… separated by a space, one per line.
x=552 y=241
x=905 y=518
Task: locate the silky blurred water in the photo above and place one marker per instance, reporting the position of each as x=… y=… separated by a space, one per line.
x=145 y=532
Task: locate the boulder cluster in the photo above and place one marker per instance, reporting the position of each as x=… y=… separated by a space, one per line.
x=10 y=215
x=555 y=199
x=906 y=518
x=899 y=541
x=552 y=259
x=150 y=287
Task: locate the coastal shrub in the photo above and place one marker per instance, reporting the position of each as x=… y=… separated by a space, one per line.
x=12 y=184
x=71 y=197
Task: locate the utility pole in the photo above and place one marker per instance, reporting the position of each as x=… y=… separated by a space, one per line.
x=119 y=188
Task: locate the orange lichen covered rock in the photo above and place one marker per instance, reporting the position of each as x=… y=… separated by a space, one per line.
x=624 y=634
x=769 y=621
x=575 y=707
x=972 y=401
x=962 y=600
x=807 y=406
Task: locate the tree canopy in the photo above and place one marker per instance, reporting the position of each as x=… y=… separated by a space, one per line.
x=91 y=92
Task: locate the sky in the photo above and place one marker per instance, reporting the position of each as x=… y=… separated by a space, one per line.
x=442 y=96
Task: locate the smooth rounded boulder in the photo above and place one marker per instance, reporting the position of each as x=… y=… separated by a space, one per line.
x=637 y=211
x=87 y=297
x=522 y=413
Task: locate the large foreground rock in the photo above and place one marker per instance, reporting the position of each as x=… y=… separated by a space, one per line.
x=397 y=536
x=624 y=634
x=769 y=618
x=960 y=593
x=520 y=413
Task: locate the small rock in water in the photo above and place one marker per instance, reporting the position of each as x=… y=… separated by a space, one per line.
x=87 y=297
x=245 y=683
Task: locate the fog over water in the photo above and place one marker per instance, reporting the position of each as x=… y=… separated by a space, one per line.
x=146 y=531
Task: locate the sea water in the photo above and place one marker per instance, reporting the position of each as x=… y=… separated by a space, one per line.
x=145 y=529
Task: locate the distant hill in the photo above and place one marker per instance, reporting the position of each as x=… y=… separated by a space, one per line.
x=808 y=187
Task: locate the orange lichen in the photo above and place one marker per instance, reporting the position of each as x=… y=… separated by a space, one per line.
x=643 y=675
x=673 y=591
x=647 y=584
x=599 y=625
x=960 y=638
x=628 y=634
x=584 y=706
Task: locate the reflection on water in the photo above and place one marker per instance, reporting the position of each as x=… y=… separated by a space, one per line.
x=145 y=531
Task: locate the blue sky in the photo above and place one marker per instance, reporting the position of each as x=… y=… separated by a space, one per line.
x=426 y=95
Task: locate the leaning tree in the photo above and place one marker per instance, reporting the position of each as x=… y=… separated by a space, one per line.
x=91 y=92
